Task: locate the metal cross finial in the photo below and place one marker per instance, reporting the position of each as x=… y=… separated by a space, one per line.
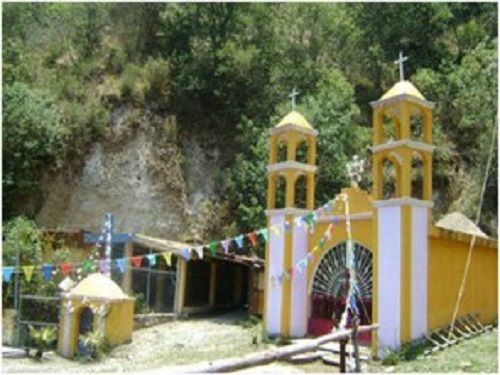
x=293 y=95
x=400 y=62
x=355 y=170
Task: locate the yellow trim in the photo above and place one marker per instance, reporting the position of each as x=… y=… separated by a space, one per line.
x=406 y=252
x=375 y=253
x=286 y=297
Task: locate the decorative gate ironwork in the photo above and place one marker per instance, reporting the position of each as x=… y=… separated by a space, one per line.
x=331 y=285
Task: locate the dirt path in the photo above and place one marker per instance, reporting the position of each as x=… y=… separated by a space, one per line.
x=173 y=343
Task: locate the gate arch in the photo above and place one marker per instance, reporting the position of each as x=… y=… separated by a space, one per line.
x=330 y=284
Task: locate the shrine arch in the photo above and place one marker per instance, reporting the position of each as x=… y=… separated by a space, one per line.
x=329 y=287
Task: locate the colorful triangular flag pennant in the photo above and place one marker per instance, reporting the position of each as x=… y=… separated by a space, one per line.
x=7 y=273
x=104 y=265
x=137 y=260
x=264 y=233
x=47 y=271
x=66 y=268
x=225 y=245
x=28 y=272
x=252 y=236
x=186 y=254
x=120 y=262
x=239 y=241
x=199 y=251
x=88 y=265
x=168 y=257
x=212 y=246
x=151 y=259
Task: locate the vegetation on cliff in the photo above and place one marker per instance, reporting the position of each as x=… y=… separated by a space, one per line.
x=225 y=70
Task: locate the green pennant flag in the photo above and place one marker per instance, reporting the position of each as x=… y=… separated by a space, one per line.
x=87 y=265
x=213 y=247
x=265 y=234
x=308 y=218
x=321 y=242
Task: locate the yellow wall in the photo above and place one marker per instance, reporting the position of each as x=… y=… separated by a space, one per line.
x=118 y=322
x=447 y=258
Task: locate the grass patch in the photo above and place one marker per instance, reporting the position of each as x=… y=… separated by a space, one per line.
x=478 y=354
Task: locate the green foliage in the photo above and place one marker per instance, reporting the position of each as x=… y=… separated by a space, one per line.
x=95 y=344
x=23 y=238
x=407 y=352
x=227 y=68
x=42 y=338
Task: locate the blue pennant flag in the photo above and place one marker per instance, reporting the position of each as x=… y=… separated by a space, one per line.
x=7 y=273
x=47 y=271
x=239 y=241
x=151 y=259
x=120 y=262
x=186 y=253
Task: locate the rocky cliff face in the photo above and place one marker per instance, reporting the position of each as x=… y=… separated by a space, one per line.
x=142 y=172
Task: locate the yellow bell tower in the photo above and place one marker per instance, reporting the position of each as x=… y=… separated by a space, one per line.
x=402 y=136
x=285 y=312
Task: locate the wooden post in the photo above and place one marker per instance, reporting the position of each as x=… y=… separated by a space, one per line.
x=180 y=285
x=343 y=343
x=127 y=275
x=213 y=275
x=354 y=339
x=160 y=286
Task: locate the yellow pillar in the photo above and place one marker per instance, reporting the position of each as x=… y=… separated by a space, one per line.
x=377 y=177
x=427 y=125
x=290 y=188
x=287 y=287
x=406 y=173
x=311 y=150
x=378 y=133
x=291 y=148
x=405 y=120
x=127 y=275
x=427 y=195
x=406 y=241
x=273 y=150
x=310 y=191
x=271 y=192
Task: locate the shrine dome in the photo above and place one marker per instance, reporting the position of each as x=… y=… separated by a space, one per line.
x=294 y=118
x=97 y=285
x=403 y=88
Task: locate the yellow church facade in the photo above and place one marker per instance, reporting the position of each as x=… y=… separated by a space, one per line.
x=409 y=270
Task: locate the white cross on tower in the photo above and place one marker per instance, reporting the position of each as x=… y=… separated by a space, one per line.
x=400 y=62
x=293 y=95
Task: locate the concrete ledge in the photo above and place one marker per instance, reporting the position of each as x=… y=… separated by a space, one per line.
x=148 y=320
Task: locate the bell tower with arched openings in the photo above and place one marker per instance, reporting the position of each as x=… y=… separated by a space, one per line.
x=291 y=178
x=402 y=200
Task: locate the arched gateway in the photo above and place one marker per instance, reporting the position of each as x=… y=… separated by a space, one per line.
x=330 y=285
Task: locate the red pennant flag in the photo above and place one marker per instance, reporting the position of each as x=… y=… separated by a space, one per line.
x=137 y=260
x=66 y=268
x=253 y=238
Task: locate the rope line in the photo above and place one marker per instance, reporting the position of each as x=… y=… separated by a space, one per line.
x=473 y=239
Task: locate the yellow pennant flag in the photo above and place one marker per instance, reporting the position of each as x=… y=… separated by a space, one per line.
x=275 y=230
x=28 y=272
x=168 y=257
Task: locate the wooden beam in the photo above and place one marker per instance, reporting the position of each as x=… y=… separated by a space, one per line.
x=264 y=357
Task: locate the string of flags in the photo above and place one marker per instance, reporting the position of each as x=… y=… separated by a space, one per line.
x=105 y=265
x=309 y=219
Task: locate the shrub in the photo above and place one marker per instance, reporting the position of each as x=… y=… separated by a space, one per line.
x=92 y=346
x=42 y=339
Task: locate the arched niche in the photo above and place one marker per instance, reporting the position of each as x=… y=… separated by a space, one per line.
x=302 y=152
x=280 y=192
x=281 y=151
x=416 y=125
x=417 y=175
x=301 y=192
x=391 y=126
x=390 y=177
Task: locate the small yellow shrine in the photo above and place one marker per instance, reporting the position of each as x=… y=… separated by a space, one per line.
x=96 y=303
x=409 y=271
